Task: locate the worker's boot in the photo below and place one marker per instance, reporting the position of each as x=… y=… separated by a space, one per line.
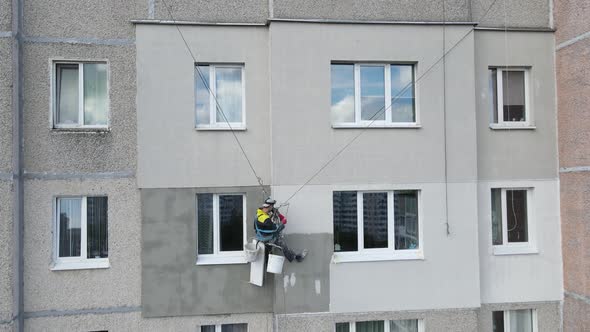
x=301 y=256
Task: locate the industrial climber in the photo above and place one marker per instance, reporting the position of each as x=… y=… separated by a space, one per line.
x=269 y=224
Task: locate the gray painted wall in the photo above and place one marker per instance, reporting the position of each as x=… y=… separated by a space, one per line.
x=172 y=283
x=517 y=154
x=171 y=152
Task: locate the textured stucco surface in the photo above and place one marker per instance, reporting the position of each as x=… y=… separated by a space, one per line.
x=172 y=283
x=6 y=105
x=517 y=154
x=571 y=19
x=391 y=10
x=132 y=322
x=573 y=97
x=512 y=13
x=84 y=18
x=305 y=286
x=531 y=277
x=118 y=285
x=47 y=150
x=6 y=247
x=5 y=15
x=434 y=321
x=576 y=314
x=213 y=11
x=575 y=206
x=548 y=314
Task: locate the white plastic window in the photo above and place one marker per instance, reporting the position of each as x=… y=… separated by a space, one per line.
x=509 y=93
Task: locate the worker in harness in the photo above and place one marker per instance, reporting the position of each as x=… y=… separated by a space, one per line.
x=269 y=224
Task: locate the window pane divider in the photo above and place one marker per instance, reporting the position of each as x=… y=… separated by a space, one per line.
x=80 y=94
x=83 y=230
x=504 y=217
x=216 y=235
x=388 y=107
x=390 y=222
x=212 y=96
x=500 y=95
x=360 y=221
x=357 y=93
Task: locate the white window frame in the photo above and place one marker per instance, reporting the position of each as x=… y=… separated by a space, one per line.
x=53 y=99
x=506 y=314
x=501 y=124
x=218 y=326
x=382 y=254
x=358 y=122
x=386 y=324
x=75 y=263
x=213 y=124
x=221 y=257
x=515 y=248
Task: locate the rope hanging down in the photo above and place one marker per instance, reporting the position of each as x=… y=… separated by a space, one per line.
x=383 y=109
x=219 y=108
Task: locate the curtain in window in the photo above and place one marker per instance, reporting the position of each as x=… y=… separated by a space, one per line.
x=97 y=228
x=514 y=96
x=406 y=219
x=205 y=223
x=70 y=226
x=373 y=326
x=375 y=220
x=402 y=93
x=234 y=328
x=231 y=222
x=345 y=220
x=229 y=93
x=521 y=320
x=202 y=96
x=95 y=94
x=67 y=98
x=408 y=325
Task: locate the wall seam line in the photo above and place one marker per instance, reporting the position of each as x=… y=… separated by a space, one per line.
x=575 y=169
x=86 y=41
x=5 y=34
x=578 y=297
x=82 y=176
x=77 y=312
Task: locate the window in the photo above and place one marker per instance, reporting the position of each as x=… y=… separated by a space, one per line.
x=80 y=95
x=509 y=94
x=378 y=225
x=510 y=220
x=221 y=228
x=514 y=321
x=380 y=93
x=225 y=328
x=225 y=102
x=81 y=233
x=408 y=325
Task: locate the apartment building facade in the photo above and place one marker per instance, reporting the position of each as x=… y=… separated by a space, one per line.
x=438 y=210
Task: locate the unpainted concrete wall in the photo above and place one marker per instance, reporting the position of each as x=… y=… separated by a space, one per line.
x=134 y=322
x=575 y=314
x=6 y=252
x=523 y=278
x=517 y=154
x=6 y=105
x=172 y=283
x=250 y=11
x=512 y=13
x=5 y=15
x=108 y=19
x=48 y=150
x=172 y=154
x=548 y=314
x=571 y=20
x=118 y=285
x=389 y=10
x=438 y=320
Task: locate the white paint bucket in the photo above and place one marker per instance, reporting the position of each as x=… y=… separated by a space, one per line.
x=275 y=264
x=250 y=252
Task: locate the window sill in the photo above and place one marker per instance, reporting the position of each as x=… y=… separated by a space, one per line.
x=514 y=250
x=220 y=128
x=102 y=263
x=376 y=126
x=347 y=257
x=511 y=127
x=221 y=260
x=82 y=130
